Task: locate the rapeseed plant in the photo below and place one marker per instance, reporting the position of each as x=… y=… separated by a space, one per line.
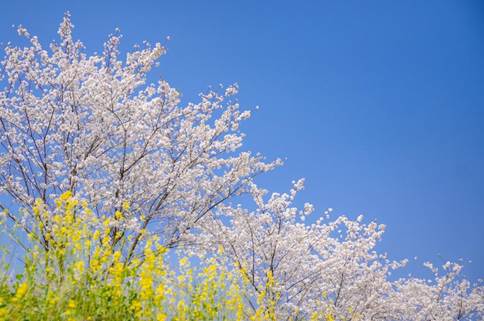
x=75 y=268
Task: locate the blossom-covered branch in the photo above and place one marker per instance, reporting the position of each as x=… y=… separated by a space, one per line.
x=91 y=124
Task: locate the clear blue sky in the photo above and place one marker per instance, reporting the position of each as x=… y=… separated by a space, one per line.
x=379 y=104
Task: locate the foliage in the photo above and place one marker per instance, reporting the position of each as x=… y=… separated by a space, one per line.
x=82 y=276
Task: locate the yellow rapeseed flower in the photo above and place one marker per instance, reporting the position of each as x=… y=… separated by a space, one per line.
x=21 y=291
x=125 y=206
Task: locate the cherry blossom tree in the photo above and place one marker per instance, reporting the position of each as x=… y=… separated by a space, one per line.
x=92 y=124
x=330 y=270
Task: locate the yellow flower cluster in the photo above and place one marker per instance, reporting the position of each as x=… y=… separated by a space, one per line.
x=76 y=268
x=267 y=300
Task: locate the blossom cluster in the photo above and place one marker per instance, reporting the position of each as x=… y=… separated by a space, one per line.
x=331 y=268
x=92 y=125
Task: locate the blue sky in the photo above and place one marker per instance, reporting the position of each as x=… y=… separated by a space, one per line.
x=379 y=104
